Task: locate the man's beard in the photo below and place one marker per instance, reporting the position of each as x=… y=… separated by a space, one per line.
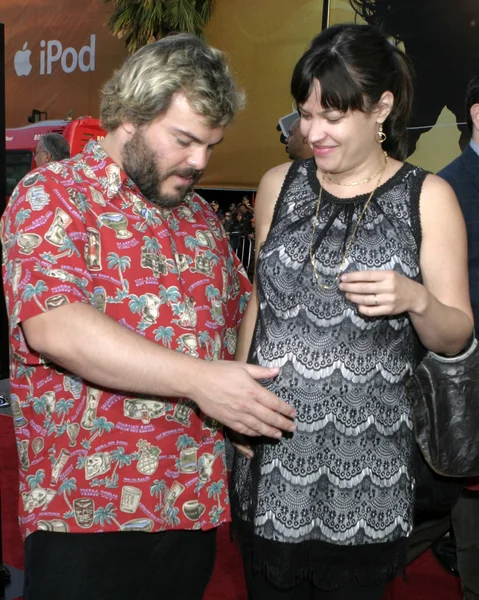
x=140 y=165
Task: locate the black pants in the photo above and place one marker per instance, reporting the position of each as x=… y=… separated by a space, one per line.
x=260 y=588
x=171 y=565
x=465 y=523
x=464 y=518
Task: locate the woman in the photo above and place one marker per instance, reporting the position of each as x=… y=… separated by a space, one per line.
x=358 y=255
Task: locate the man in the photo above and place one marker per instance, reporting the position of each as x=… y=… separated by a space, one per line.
x=123 y=298
x=296 y=145
x=463 y=175
x=51 y=147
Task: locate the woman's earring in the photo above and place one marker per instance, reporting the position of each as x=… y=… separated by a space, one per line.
x=380 y=135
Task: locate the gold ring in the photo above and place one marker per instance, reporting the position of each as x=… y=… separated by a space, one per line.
x=375 y=300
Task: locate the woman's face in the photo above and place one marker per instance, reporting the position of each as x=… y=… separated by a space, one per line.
x=341 y=142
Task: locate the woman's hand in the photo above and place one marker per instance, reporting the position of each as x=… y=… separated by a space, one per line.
x=241 y=443
x=381 y=293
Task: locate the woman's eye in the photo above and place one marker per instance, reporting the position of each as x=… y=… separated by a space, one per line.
x=182 y=142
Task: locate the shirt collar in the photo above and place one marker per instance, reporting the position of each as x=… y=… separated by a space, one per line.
x=475 y=146
x=109 y=174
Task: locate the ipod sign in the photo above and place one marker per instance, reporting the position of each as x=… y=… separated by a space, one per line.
x=52 y=51
x=21 y=61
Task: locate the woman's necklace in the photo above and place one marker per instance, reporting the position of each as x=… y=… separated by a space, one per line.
x=379 y=174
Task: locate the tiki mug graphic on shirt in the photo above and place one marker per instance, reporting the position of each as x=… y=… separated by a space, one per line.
x=188 y=344
x=143 y=410
x=37 y=498
x=97 y=464
x=37 y=197
x=98 y=298
x=56 y=301
x=224 y=287
x=97 y=196
x=16 y=275
x=59 y=464
x=203 y=263
x=89 y=414
x=117 y=222
x=206 y=238
x=28 y=242
x=187 y=460
x=57 y=231
x=18 y=417
x=182 y=413
x=151 y=310
x=130 y=499
x=114 y=181
x=50 y=403
x=192 y=509
x=186 y=213
x=217 y=311
x=140 y=524
x=74 y=385
x=57 y=525
x=73 y=429
x=38 y=445
x=205 y=466
x=93 y=249
x=149 y=459
x=187 y=319
x=182 y=262
x=171 y=497
x=84 y=510
x=23 y=454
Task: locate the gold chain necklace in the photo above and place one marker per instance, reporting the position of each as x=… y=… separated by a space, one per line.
x=380 y=172
x=351 y=239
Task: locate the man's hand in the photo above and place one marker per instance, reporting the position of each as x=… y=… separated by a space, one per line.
x=227 y=391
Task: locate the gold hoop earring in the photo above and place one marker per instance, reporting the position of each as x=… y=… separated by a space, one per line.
x=380 y=135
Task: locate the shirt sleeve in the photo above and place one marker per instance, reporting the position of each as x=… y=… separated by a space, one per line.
x=43 y=241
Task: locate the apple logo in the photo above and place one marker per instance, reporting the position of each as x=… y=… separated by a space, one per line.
x=21 y=62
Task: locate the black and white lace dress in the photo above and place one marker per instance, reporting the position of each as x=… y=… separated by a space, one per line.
x=334 y=499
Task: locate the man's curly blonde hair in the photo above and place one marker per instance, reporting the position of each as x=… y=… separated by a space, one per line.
x=142 y=88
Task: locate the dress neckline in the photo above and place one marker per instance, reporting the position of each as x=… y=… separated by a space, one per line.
x=384 y=187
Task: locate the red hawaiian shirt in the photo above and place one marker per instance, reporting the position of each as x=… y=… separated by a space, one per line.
x=92 y=459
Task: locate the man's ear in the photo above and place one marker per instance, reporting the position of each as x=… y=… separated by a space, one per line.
x=128 y=128
x=474 y=112
x=384 y=106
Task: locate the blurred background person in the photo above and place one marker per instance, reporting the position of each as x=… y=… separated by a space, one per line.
x=50 y=148
x=297 y=145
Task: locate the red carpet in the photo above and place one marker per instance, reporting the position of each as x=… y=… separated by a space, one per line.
x=426 y=580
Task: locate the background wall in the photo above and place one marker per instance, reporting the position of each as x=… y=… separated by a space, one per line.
x=264 y=39
x=71 y=24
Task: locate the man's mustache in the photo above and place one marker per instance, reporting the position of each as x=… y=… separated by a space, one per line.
x=187 y=173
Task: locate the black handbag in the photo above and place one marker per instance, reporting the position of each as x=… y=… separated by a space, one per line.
x=445 y=407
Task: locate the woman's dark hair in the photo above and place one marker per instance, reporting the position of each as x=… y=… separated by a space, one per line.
x=355 y=65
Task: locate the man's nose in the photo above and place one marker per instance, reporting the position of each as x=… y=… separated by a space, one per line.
x=198 y=159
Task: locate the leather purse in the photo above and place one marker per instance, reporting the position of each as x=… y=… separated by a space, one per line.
x=445 y=408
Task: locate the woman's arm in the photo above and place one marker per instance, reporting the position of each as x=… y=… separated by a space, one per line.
x=268 y=192
x=440 y=308
x=441 y=312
